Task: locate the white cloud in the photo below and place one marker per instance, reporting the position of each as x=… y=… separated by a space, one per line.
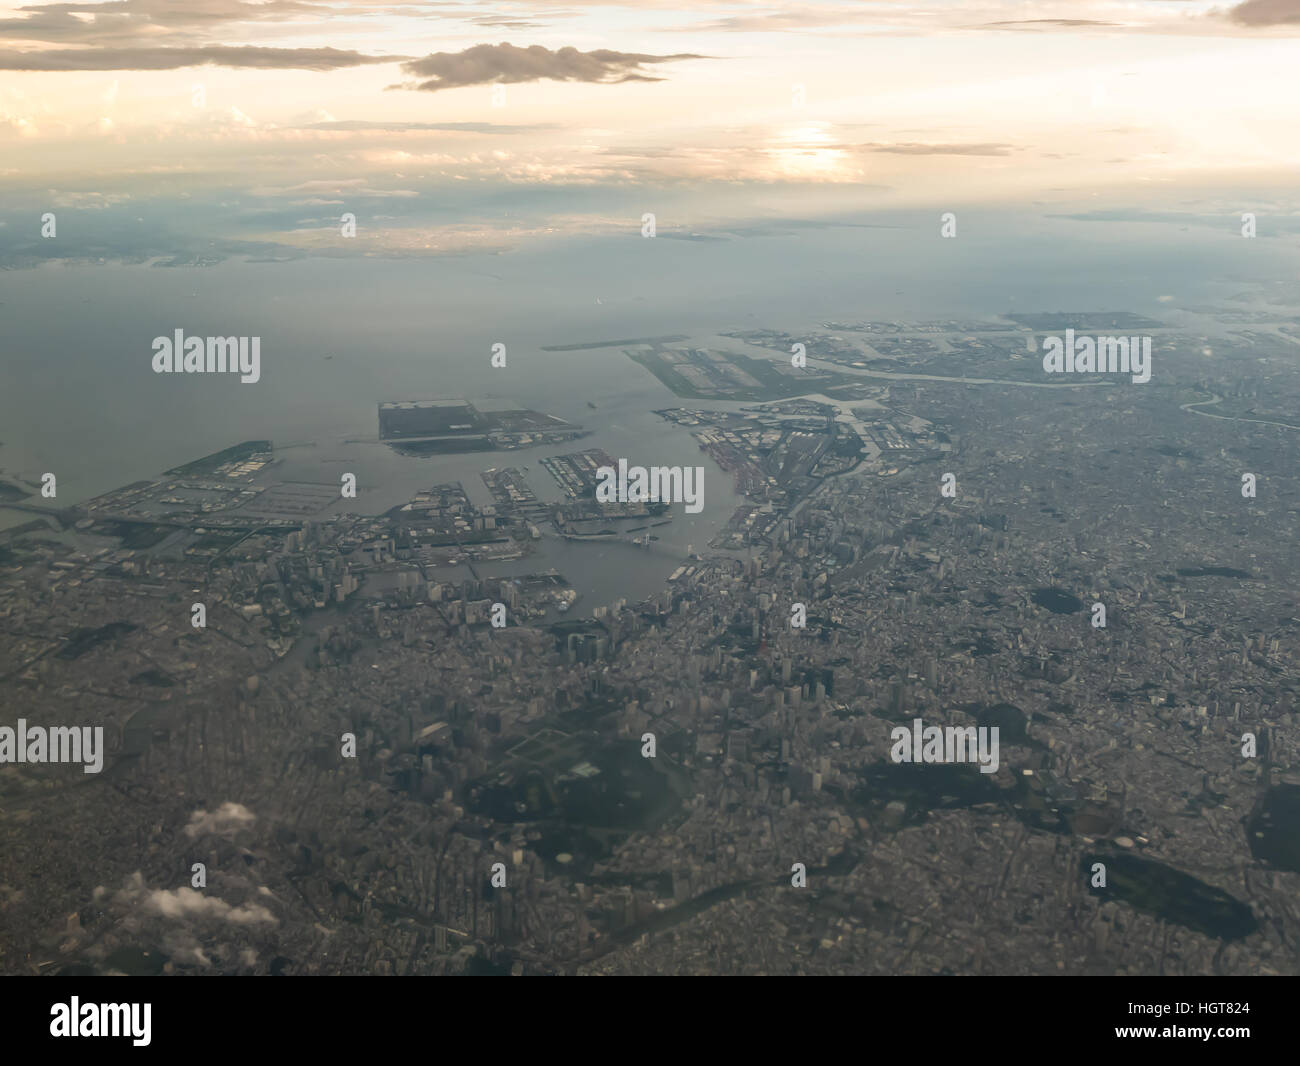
x=226 y=818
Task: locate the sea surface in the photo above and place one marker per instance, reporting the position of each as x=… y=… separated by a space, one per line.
x=78 y=396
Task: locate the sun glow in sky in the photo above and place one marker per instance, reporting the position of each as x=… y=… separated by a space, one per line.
x=301 y=101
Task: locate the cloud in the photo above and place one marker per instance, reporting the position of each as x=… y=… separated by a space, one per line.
x=227 y=816
x=189 y=927
x=1067 y=23
x=175 y=58
x=505 y=22
x=904 y=148
x=1220 y=216
x=190 y=903
x=486 y=63
x=145 y=20
x=331 y=187
x=800 y=18
x=1266 y=13
x=358 y=125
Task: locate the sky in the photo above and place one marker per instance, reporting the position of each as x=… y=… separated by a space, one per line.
x=452 y=126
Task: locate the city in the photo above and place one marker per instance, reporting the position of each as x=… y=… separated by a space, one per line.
x=649 y=774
